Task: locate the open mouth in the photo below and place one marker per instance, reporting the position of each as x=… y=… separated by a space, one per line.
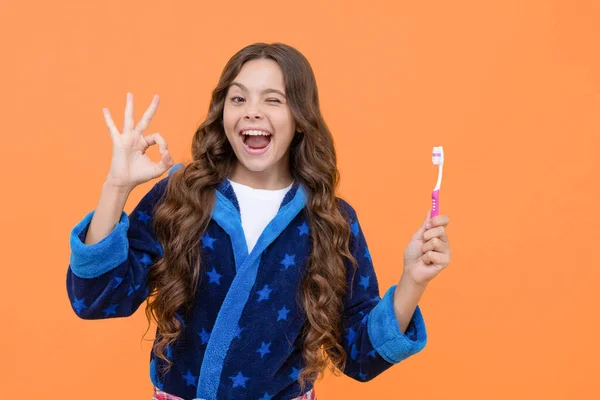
x=256 y=141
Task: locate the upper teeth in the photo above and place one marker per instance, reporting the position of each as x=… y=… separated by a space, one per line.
x=256 y=133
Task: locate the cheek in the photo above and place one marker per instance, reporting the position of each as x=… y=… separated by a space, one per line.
x=229 y=121
x=283 y=123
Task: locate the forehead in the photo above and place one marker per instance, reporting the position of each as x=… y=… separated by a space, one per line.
x=257 y=75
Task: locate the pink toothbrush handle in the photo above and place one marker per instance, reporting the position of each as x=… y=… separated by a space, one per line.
x=435 y=203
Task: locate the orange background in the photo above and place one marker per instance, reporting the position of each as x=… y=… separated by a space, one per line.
x=511 y=89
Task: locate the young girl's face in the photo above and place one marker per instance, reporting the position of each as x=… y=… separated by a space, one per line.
x=257 y=120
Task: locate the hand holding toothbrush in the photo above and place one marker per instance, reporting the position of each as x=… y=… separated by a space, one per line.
x=428 y=251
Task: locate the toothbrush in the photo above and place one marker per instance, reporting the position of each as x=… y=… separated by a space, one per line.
x=438 y=159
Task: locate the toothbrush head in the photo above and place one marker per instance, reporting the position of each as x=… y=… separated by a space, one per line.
x=438 y=155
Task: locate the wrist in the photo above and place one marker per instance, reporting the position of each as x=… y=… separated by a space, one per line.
x=407 y=291
x=117 y=187
x=406 y=298
x=410 y=284
x=115 y=195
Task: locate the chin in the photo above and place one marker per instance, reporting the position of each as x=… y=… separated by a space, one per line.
x=254 y=163
x=256 y=166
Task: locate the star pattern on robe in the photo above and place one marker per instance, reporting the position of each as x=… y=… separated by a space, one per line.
x=132 y=289
x=267 y=396
x=264 y=349
x=214 y=276
x=362 y=375
x=146 y=260
x=368 y=255
x=364 y=320
x=288 y=261
x=79 y=305
x=354 y=228
x=208 y=241
x=238 y=332
x=239 y=380
x=294 y=374
x=282 y=313
x=264 y=293
x=190 y=379
x=351 y=336
x=364 y=281
x=303 y=229
x=354 y=352
x=204 y=336
x=143 y=216
x=112 y=309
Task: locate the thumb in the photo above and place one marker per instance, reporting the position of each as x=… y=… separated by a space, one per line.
x=164 y=164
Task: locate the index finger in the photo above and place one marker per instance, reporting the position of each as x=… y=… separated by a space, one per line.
x=148 y=114
x=128 y=121
x=439 y=232
x=114 y=132
x=440 y=220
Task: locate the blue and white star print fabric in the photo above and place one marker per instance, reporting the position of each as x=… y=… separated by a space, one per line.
x=242 y=335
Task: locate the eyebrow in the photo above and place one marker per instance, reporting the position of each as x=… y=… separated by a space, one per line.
x=268 y=90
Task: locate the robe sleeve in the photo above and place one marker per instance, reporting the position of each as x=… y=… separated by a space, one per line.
x=108 y=279
x=372 y=337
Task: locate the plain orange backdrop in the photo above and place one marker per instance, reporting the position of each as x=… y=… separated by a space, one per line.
x=511 y=89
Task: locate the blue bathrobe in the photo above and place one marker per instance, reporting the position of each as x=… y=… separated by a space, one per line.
x=241 y=338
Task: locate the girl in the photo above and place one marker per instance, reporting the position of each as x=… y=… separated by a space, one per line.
x=257 y=275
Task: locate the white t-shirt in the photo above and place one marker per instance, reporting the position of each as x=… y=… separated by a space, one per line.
x=257 y=209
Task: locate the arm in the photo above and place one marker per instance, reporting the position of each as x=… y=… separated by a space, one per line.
x=373 y=338
x=406 y=299
x=108 y=212
x=108 y=266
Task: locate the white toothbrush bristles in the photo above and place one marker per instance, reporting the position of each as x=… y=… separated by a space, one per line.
x=438 y=159
x=438 y=155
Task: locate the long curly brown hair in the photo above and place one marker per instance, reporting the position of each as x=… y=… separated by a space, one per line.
x=184 y=213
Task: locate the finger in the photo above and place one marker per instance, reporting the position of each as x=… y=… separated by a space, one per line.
x=112 y=128
x=128 y=121
x=440 y=220
x=427 y=222
x=164 y=164
x=439 y=232
x=424 y=227
x=438 y=259
x=156 y=138
x=436 y=244
x=147 y=117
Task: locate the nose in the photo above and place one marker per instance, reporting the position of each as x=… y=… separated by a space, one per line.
x=253 y=114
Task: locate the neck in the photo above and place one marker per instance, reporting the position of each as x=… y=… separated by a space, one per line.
x=267 y=180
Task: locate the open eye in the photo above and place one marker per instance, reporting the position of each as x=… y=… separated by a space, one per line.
x=237 y=99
